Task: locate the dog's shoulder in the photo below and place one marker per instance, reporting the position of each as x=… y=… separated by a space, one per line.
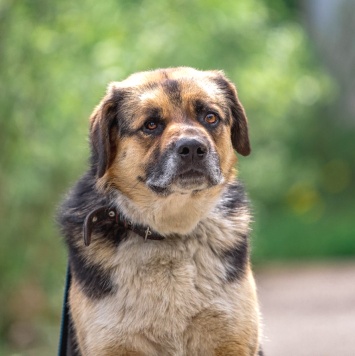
x=95 y=280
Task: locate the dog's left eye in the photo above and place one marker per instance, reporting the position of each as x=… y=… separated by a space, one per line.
x=211 y=119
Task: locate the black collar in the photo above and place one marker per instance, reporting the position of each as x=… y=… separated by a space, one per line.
x=111 y=214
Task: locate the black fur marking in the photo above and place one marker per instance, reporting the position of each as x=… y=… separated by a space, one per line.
x=225 y=87
x=199 y=107
x=261 y=352
x=239 y=131
x=124 y=130
x=95 y=282
x=72 y=345
x=81 y=201
x=172 y=88
x=141 y=179
x=233 y=199
x=155 y=166
x=108 y=125
x=153 y=169
x=236 y=260
x=160 y=190
x=222 y=83
x=153 y=113
x=104 y=131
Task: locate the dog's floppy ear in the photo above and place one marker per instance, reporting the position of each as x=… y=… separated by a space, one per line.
x=104 y=132
x=240 y=135
x=239 y=130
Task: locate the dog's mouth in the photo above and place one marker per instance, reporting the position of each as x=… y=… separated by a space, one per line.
x=191 y=176
x=190 y=180
x=170 y=175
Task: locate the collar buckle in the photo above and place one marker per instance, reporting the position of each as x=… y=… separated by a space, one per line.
x=147 y=233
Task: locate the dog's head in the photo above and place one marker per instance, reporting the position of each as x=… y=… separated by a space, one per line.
x=168 y=131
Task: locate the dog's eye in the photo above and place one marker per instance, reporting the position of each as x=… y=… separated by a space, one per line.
x=211 y=119
x=151 y=125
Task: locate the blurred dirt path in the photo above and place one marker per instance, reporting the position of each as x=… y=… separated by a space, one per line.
x=308 y=310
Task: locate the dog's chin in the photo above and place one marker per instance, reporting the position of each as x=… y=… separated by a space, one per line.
x=191 y=181
x=185 y=183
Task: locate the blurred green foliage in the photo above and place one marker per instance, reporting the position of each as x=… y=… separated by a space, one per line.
x=56 y=59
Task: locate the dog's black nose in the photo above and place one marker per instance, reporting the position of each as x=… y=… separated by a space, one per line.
x=190 y=149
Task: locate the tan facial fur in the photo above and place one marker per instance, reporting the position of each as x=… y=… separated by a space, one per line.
x=181 y=211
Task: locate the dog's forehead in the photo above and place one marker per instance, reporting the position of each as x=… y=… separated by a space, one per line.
x=178 y=82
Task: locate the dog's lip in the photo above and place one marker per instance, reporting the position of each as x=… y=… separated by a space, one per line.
x=192 y=174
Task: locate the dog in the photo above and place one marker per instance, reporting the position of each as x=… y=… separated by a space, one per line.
x=157 y=228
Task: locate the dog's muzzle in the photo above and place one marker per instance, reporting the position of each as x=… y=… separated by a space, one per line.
x=189 y=164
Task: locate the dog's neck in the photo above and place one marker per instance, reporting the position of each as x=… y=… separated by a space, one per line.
x=172 y=214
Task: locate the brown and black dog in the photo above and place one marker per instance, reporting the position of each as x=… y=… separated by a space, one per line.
x=157 y=229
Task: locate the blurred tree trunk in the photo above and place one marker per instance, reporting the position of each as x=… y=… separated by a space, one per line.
x=331 y=25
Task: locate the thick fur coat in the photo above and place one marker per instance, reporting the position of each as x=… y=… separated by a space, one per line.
x=163 y=156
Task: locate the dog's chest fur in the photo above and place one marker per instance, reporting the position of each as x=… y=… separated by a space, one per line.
x=161 y=286
x=152 y=291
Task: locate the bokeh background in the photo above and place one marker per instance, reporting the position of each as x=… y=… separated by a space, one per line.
x=293 y=63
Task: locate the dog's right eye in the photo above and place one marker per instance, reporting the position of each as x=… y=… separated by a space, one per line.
x=152 y=126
